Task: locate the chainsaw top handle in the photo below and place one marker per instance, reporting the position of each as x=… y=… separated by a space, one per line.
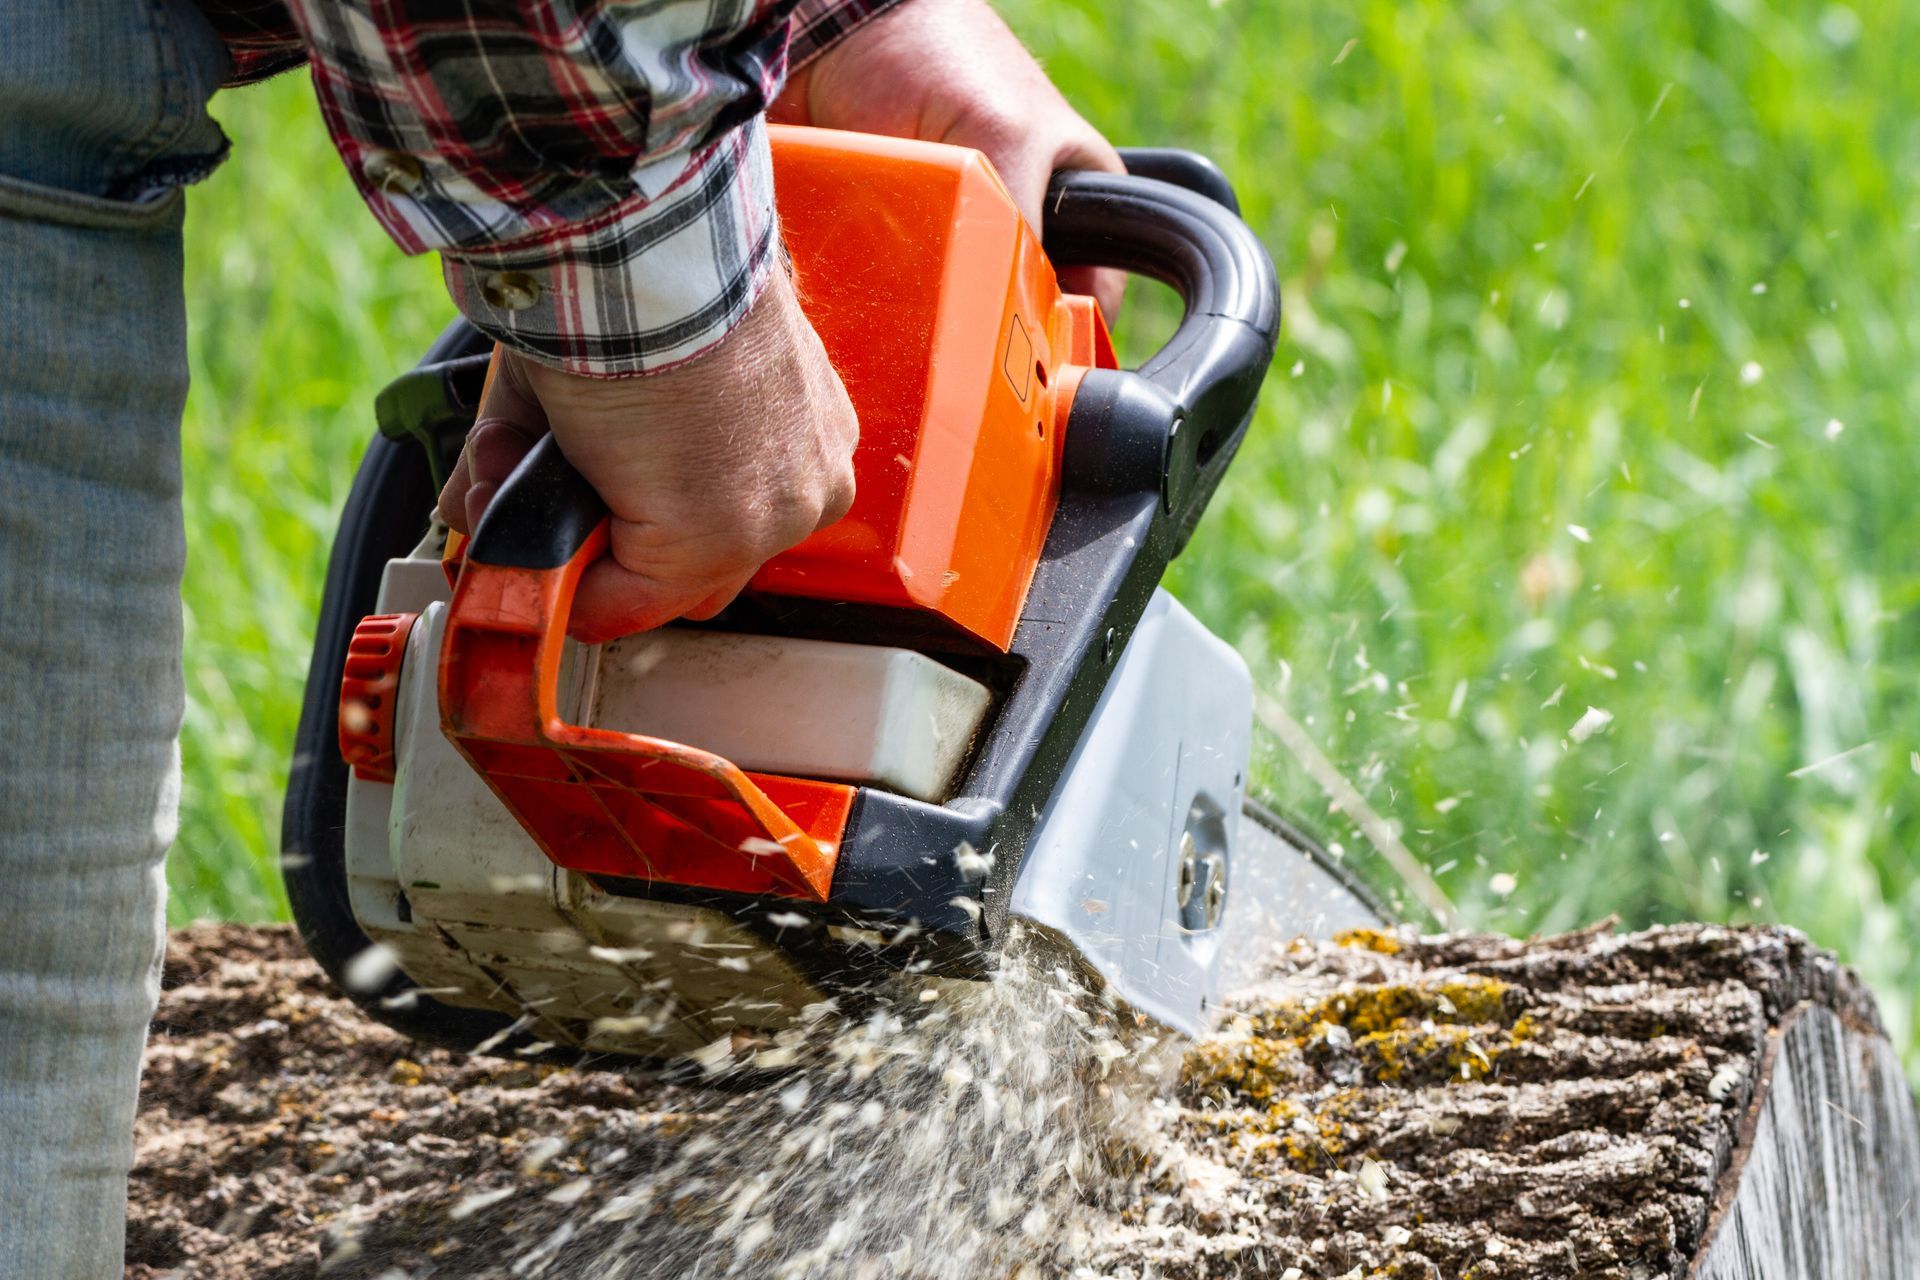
x=1171 y=425
x=1176 y=421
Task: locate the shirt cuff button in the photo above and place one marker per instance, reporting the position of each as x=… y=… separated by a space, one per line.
x=392 y=172
x=509 y=290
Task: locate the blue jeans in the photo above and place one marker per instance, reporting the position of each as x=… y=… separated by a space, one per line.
x=102 y=116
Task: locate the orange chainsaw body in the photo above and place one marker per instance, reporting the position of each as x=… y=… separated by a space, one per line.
x=944 y=319
x=946 y=323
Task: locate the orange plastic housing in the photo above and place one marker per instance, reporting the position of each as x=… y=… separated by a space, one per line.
x=944 y=319
x=609 y=803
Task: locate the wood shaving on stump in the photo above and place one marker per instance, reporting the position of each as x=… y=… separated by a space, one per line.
x=1381 y=1105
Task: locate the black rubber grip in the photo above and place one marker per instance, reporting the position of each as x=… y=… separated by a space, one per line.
x=542 y=515
x=1187 y=169
x=1203 y=383
x=1188 y=241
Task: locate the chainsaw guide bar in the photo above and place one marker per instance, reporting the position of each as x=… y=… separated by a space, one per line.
x=966 y=704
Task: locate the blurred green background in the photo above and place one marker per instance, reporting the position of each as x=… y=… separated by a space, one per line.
x=1602 y=333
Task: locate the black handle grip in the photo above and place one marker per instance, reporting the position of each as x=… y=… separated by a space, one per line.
x=1175 y=422
x=1187 y=169
x=542 y=515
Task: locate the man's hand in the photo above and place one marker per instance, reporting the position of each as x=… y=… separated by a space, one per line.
x=712 y=468
x=951 y=71
x=709 y=469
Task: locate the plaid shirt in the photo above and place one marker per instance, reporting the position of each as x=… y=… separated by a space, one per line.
x=595 y=173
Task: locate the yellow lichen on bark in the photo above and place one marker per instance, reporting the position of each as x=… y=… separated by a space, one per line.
x=1380 y=940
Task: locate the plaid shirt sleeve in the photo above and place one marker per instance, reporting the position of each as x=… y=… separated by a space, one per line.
x=595 y=173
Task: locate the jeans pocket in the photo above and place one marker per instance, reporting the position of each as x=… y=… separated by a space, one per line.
x=186 y=144
x=37 y=202
x=103 y=107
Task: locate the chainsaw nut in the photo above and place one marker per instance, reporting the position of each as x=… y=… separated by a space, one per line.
x=1189 y=871
x=1216 y=891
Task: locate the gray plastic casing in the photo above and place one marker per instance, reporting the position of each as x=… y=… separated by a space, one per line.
x=1168 y=742
x=1165 y=755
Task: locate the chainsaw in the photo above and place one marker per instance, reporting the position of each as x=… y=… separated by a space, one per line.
x=966 y=707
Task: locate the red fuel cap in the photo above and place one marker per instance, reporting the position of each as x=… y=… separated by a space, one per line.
x=369 y=691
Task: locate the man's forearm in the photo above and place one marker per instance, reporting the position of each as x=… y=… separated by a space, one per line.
x=594 y=174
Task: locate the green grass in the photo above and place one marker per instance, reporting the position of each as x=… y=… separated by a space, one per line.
x=1573 y=295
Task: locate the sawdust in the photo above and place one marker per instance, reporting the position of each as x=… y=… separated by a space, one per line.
x=1459 y=1107
x=285 y=1135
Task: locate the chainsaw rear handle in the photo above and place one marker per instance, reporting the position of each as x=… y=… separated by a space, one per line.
x=1172 y=425
x=541 y=516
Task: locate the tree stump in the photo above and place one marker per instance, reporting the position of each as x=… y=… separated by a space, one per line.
x=1711 y=1103
x=1692 y=1102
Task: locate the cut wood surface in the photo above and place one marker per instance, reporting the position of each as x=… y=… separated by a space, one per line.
x=1687 y=1102
x=1825 y=1181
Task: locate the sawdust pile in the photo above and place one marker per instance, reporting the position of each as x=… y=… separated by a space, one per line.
x=1383 y=1107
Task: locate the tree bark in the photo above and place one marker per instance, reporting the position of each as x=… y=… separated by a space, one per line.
x=1690 y=1103
x=1701 y=1102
